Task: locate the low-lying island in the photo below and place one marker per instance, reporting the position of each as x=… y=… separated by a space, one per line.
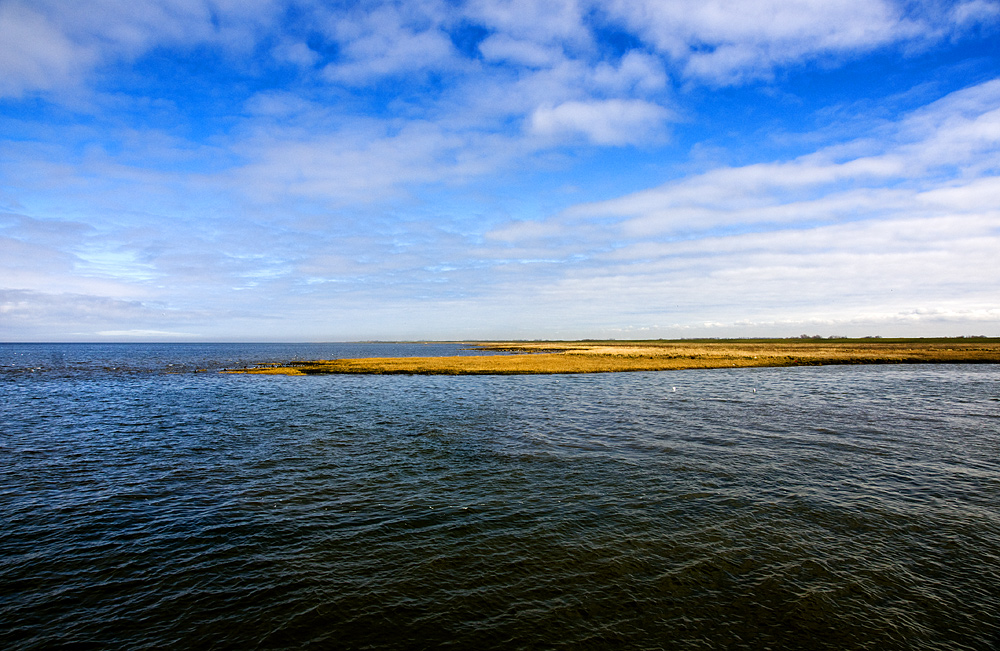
x=522 y=358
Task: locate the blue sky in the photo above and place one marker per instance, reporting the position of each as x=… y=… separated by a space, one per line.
x=267 y=170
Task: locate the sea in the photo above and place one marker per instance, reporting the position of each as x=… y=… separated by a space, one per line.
x=148 y=501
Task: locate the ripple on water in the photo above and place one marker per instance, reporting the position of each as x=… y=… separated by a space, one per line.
x=834 y=508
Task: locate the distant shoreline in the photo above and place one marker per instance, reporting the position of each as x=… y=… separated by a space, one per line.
x=561 y=357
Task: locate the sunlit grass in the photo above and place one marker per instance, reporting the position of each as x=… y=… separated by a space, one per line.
x=619 y=356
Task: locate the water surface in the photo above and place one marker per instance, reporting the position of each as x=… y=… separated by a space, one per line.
x=147 y=505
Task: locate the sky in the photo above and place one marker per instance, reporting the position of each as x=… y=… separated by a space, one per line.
x=300 y=170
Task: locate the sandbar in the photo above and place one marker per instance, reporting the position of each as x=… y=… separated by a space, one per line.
x=557 y=357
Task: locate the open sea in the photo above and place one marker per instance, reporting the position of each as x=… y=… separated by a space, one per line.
x=147 y=504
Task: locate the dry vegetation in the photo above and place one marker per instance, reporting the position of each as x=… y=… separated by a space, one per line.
x=616 y=356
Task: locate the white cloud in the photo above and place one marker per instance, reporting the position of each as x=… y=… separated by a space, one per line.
x=903 y=238
x=34 y=54
x=975 y=12
x=728 y=41
x=145 y=334
x=978 y=195
x=553 y=21
x=295 y=52
x=635 y=73
x=363 y=163
x=960 y=131
x=288 y=108
x=387 y=41
x=501 y=47
x=864 y=271
x=523 y=230
x=604 y=122
x=32 y=313
x=48 y=45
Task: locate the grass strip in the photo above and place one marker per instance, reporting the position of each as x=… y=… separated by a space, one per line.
x=611 y=356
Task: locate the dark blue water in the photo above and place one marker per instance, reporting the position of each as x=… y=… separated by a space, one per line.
x=88 y=360
x=144 y=504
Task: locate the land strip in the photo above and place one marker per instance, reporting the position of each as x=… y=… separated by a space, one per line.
x=523 y=358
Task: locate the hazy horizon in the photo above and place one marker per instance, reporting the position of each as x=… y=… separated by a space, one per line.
x=318 y=342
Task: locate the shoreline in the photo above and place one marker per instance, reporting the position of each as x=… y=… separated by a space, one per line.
x=563 y=357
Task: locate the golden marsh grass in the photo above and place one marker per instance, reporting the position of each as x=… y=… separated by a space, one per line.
x=553 y=357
